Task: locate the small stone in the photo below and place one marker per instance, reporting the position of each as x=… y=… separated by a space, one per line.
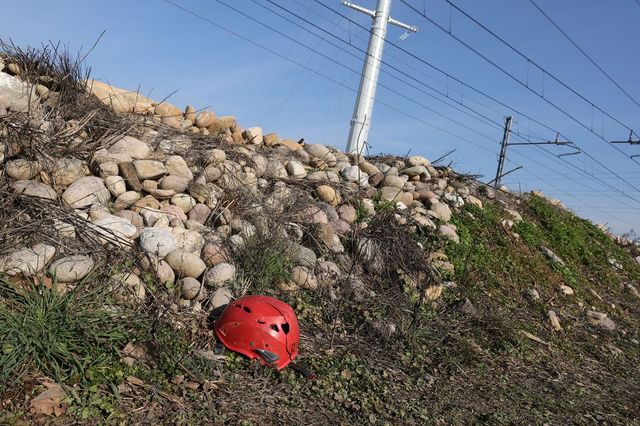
x=85 y=192
x=220 y=297
x=328 y=195
x=601 y=320
x=312 y=214
x=71 y=268
x=34 y=189
x=552 y=256
x=115 y=185
x=68 y=170
x=219 y=274
x=115 y=230
x=175 y=183
x=158 y=241
x=534 y=294
x=354 y=174
x=296 y=169
x=302 y=277
x=130 y=146
x=416 y=171
x=449 y=233
x=185 y=263
x=566 y=290
x=554 y=320
x=327 y=236
x=184 y=201
x=190 y=113
x=347 y=213
x=190 y=288
x=27 y=261
x=214 y=254
x=126 y=200
x=199 y=213
x=128 y=172
x=177 y=166
x=128 y=287
x=417 y=160
x=149 y=169
x=21 y=169
x=303 y=256
x=466 y=307
x=253 y=135
x=441 y=211
x=205 y=119
x=394 y=181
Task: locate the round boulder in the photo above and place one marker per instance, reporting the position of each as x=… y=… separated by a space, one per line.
x=71 y=268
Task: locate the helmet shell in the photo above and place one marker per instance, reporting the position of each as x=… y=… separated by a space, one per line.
x=260 y=327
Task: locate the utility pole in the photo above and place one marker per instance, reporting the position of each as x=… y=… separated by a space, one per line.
x=506 y=144
x=361 y=121
x=503 y=151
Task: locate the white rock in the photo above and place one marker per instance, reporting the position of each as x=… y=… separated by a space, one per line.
x=221 y=297
x=21 y=169
x=34 y=189
x=115 y=230
x=317 y=150
x=441 y=211
x=16 y=95
x=71 y=268
x=184 y=201
x=354 y=174
x=27 y=261
x=126 y=200
x=176 y=166
x=130 y=146
x=115 y=185
x=85 y=192
x=188 y=240
x=449 y=233
x=417 y=160
x=190 y=288
x=108 y=168
x=254 y=135
x=186 y=264
x=158 y=241
x=149 y=169
x=219 y=274
x=152 y=216
x=296 y=169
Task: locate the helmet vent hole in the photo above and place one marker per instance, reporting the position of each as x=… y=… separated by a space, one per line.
x=274 y=327
x=285 y=328
x=246 y=309
x=238 y=306
x=261 y=322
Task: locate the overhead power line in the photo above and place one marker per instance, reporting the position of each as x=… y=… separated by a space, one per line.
x=488 y=96
x=355 y=71
x=386 y=63
x=516 y=79
x=405 y=113
x=585 y=54
x=313 y=71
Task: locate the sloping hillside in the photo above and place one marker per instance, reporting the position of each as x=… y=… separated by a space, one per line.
x=423 y=295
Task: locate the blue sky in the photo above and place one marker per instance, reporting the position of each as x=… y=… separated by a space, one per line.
x=159 y=48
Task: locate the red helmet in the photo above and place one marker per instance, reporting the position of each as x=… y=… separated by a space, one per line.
x=260 y=327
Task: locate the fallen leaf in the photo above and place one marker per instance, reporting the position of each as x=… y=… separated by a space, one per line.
x=49 y=402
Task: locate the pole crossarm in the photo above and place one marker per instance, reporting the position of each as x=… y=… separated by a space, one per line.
x=630 y=141
x=372 y=13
